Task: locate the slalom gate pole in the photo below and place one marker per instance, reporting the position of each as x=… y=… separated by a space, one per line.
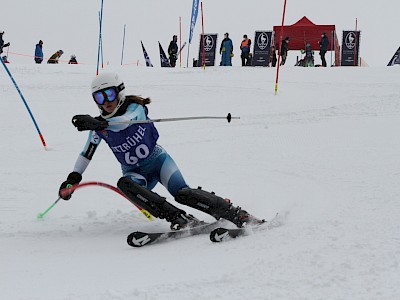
x=26 y=104
x=228 y=118
x=280 y=48
x=41 y=215
x=98 y=49
x=180 y=41
x=71 y=189
x=202 y=40
x=123 y=46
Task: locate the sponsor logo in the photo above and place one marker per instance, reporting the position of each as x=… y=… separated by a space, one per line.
x=350 y=40
x=262 y=41
x=208 y=43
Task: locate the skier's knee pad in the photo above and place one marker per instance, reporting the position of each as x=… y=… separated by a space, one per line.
x=156 y=205
x=204 y=201
x=141 y=196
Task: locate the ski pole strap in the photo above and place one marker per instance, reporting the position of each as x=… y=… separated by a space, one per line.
x=228 y=118
x=68 y=191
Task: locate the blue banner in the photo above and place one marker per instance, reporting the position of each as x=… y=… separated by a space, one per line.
x=163 y=58
x=193 y=19
x=146 y=57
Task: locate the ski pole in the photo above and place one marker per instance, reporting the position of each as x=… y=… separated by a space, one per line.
x=228 y=117
x=41 y=215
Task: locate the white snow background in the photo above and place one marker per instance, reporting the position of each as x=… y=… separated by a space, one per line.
x=323 y=153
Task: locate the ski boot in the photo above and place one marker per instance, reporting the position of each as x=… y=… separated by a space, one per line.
x=215 y=206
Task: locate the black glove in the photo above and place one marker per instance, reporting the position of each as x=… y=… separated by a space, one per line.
x=73 y=178
x=86 y=122
x=6 y=45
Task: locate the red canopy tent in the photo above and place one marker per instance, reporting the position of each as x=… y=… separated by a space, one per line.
x=306 y=32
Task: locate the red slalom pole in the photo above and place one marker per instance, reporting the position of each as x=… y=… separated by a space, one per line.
x=280 y=46
x=67 y=191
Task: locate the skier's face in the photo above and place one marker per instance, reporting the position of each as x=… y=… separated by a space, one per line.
x=109 y=106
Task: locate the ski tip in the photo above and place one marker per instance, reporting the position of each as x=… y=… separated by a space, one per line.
x=138 y=239
x=219 y=234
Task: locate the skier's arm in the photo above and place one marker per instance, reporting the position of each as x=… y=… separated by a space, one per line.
x=134 y=112
x=81 y=163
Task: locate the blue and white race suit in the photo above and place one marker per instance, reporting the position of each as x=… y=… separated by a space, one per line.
x=135 y=146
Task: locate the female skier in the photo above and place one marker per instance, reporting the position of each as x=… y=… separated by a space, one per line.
x=144 y=163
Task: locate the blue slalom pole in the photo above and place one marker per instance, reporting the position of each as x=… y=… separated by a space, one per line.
x=26 y=104
x=123 y=46
x=98 y=50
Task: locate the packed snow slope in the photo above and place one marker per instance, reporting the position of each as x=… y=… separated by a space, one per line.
x=323 y=153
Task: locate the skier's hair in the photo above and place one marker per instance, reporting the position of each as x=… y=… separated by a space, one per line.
x=137 y=99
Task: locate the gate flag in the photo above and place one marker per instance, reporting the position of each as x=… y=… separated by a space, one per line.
x=262 y=48
x=163 y=58
x=395 y=59
x=210 y=47
x=193 y=19
x=146 y=57
x=350 y=48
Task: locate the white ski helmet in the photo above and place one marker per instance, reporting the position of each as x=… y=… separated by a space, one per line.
x=109 y=80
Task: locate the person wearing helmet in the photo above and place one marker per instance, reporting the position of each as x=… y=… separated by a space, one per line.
x=308 y=60
x=143 y=161
x=55 y=57
x=73 y=60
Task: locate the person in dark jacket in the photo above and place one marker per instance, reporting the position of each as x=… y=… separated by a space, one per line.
x=226 y=50
x=245 y=47
x=173 y=51
x=2 y=45
x=72 y=60
x=323 y=48
x=308 y=60
x=39 y=52
x=272 y=57
x=54 y=58
x=284 y=50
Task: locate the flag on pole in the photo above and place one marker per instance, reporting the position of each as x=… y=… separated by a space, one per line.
x=146 y=57
x=195 y=11
x=163 y=58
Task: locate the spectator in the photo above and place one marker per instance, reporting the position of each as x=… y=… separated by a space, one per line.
x=39 y=52
x=245 y=47
x=226 y=50
x=323 y=48
x=54 y=58
x=173 y=51
x=309 y=56
x=284 y=50
x=72 y=60
x=272 y=57
x=2 y=45
x=5 y=59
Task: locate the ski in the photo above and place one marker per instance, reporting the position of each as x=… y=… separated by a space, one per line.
x=221 y=234
x=140 y=239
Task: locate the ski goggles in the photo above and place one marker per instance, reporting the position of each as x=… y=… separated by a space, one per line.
x=108 y=94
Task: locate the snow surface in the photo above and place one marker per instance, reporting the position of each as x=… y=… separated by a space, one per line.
x=323 y=153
